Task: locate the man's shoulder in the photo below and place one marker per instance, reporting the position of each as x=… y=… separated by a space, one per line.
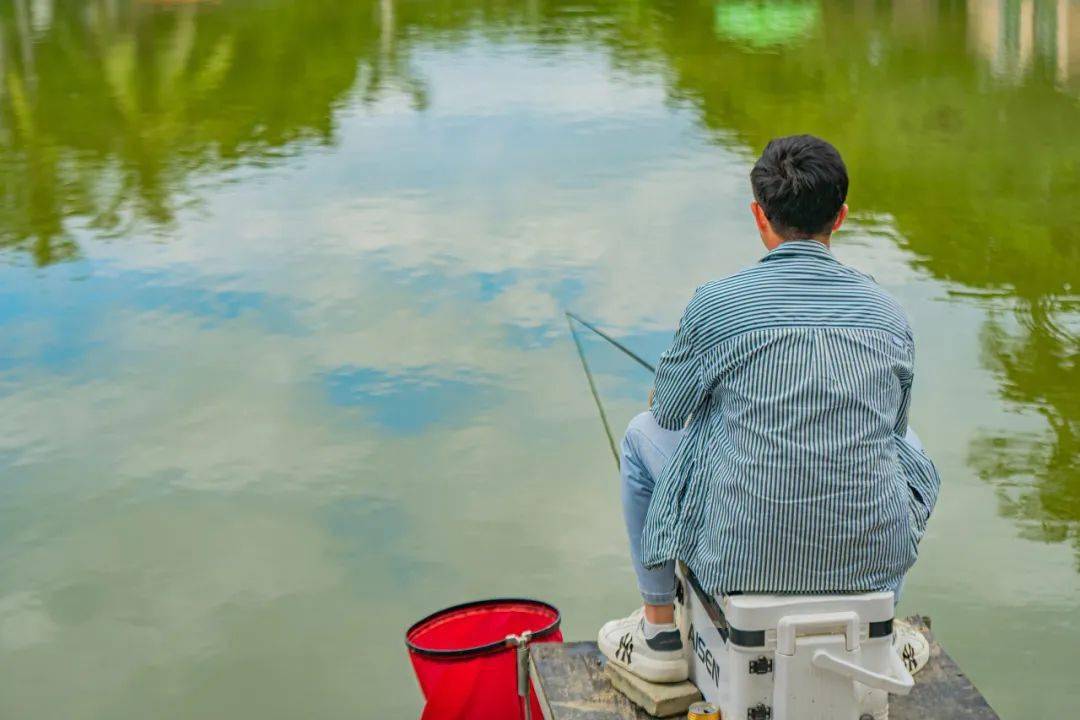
x=878 y=299
x=721 y=295
x=726 y=303
x=733 y=285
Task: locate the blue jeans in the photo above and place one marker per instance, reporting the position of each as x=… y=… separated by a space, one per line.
x=646 y=448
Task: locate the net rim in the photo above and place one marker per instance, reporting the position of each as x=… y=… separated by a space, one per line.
x=486 y=647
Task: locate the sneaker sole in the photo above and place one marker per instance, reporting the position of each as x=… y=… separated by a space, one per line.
x=647 y=668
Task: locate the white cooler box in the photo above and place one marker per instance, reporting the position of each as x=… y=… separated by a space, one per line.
x=791 y=657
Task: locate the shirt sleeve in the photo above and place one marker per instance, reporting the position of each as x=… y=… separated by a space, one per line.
x=922 y=479
x=679 y=387
x=906 y=375
x=919 y=471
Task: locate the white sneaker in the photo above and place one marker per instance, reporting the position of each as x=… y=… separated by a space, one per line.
x=659 y=659
x=911 y=645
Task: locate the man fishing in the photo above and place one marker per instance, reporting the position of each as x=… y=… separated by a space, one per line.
x=776 y=456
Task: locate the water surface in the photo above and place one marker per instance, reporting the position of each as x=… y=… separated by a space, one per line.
x=282 y=358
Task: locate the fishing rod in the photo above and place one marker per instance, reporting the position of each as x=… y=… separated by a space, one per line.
x=571 y=318
x=640 y=361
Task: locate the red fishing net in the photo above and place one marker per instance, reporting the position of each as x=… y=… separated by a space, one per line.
x=465 y=668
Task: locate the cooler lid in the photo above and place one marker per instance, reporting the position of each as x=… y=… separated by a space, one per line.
x=763 y=612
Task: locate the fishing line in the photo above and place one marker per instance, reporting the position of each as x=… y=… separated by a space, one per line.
x=570 y=319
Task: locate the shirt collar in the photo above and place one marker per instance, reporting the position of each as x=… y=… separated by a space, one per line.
x=804 y=247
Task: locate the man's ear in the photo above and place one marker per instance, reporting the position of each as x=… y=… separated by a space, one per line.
x=760 y=219
x=840 y=217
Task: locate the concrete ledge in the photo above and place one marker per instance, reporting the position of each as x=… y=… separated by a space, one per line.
x=659 y=700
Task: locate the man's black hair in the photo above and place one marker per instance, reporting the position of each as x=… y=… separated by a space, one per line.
x=801 y=183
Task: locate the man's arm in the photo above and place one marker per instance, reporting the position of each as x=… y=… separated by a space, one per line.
x=919 y=472
x=679 y=388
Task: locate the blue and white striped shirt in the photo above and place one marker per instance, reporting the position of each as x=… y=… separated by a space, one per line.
x=793 y=474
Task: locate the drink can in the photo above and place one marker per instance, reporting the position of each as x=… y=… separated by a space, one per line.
x=703 y=711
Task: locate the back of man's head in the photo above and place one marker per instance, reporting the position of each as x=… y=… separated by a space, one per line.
x=801 y=183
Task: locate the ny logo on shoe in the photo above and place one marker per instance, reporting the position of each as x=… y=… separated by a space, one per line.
x=626 y=648
x=908 y=657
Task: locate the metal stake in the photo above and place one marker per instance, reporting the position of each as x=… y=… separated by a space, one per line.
x=521 y=643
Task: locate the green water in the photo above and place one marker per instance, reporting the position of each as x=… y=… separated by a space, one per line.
x=282 y=360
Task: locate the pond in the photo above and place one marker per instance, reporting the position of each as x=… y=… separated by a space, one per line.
x=283 y=361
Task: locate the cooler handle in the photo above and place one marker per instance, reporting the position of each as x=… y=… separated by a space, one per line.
x=791 y=627
x=898 y=682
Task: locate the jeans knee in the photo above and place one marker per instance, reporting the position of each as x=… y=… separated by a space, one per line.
x=643 y=423
x=635 y=431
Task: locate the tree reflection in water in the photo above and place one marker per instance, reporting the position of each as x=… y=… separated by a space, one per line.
x=108 y=111
x=1037 y=474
